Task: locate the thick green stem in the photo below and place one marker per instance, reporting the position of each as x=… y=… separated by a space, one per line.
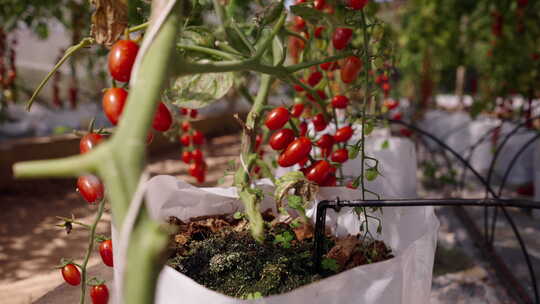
x=90 y=247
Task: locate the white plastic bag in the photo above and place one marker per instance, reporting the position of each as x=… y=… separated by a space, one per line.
x=406 y=278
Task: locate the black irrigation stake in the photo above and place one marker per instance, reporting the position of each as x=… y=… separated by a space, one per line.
x=338 y=204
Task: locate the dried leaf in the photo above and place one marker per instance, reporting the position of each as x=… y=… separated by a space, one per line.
x=109 y=20
x=343 y=250
x=304 y=232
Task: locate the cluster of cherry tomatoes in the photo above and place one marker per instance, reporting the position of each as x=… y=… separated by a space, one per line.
x=191 y=141
x=99 y=293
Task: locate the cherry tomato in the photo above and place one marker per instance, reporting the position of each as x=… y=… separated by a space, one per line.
x=186 y=157
x=319 y=32
x=340 y=102
x=121 y=59
x=198 y=137
x=341 y=37
x=197 y=155
x=340 y=156
x=351 y=68
x=330 y=181
x=113 y=103
x=356 y=4
x=201 y=178
x=351 y=185
x=303 y=128
x=391 y=104
x=90 y=187
x=298 y=88
x=297 y=110
x=89 y=141
x=193 y=113
x=325 y=152
x=319 y=172
x=396 y=116
x=258 y=141
x=319 y=4
x=295 y=152
x=186 y=126
x=386 y=87
x=99 y=294
x=162 y=119
x=185 y=140
x=321 y=94
x=281 y=139
x=326 y=141
x=197 y=169
x=314 y=78
x=277 y=118
x=329 y=66
x=319 y=122
x=71 y=274
x=405 y=132
x=106 y=252
x=184 y=111
x=343 y=134
x=299 y=23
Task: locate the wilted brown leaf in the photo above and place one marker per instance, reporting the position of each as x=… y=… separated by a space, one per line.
x=109 y=20
x=304 y=232
x=343 y=250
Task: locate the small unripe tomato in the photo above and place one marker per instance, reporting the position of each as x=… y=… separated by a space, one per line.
x=281 y=139
x=89 y=141
x=340 y=156
x=341 y=37
x=162 y=118
x=326 y=141
x=113 y=103
x=106 y=252
x=277 y=118
x=343 y=134
x=351 y=68
x=121 y=59
x=71 y=274
x=295 y=152
x=297 y=110
x=90 y=187
x=340 y=102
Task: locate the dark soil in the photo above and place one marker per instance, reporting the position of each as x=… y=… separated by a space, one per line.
x=219 y=253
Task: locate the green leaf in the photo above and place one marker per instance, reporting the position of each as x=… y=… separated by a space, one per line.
x=305 y=11
x=197 y=35
x=296 y=202
x=371 y=174
x=330 y=264
x=198 y=91
x=235 y=39
x=369 y=126
x=353 y=152
x=238 y=215
x=385 y=144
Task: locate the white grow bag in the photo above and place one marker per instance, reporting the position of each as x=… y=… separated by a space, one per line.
x=404 y=279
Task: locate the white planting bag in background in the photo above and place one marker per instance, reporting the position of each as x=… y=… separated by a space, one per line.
x=537 y=173
x=404 y=279
x=482 y=155
x=450 y=127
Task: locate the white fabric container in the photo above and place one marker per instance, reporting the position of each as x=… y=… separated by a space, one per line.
x=406 y=278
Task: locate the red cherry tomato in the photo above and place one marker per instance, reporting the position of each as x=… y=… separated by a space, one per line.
x=297 y=110
x=321 y=94
x=340 y=156
x=386 y=87
x=299 y=23
x=356 y=4
x=391 y=104
x=329 y=66
x=258 y=141
x=351 y=68
x=71 y=274
x=281 y=139
x=319 y=32
x=89 y=141
x=186 y=126
x=396 y=116
x=341 y=37
x=162 y=119
x=106 y=252
x=319 y=4
x=314 y=78
x=343 y=134
x=185 y=140
x=277 y=118
x=184 y=111
x=197 y=169
x=326 y=141
x=330 y=181
x=121 y=59
x=186 y=157
x=319 y=122
x=90 y=187
x=295 y=152
x=197 y=155
x=193 y=113
x=198 y=137
x=303 y=128
x=340 y=102
x=319 y=172
x=113 y=103
x=99 y=294
x=405 y=132
x=351 y=185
